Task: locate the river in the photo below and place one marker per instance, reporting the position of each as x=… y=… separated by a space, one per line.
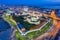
x=5 y=30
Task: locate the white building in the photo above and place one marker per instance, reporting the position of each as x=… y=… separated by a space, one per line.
x=33 y=20
x=25 y=11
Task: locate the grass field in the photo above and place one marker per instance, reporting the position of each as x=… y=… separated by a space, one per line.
x=21 y=20
x=18 y=34
x=10 y=20
x=30 y=35
x=35 y=34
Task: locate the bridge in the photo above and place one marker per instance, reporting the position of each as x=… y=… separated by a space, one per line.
x=56 y=26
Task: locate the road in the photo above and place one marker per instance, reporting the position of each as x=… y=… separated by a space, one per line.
x=56 y=27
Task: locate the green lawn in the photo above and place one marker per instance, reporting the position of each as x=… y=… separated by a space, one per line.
x=18 y=34
x=21 y=20
x=40 y=32
x=10 y=20
x=31 y=35
x=35 y=34
x=24 y=23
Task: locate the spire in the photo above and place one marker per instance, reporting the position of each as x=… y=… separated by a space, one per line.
x=53 y=14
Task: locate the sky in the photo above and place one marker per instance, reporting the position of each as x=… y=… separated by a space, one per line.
x=38 y=3
x=29 y=2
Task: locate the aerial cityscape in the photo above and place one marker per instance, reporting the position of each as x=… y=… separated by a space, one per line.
x=30 y=20
x=28 y=23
